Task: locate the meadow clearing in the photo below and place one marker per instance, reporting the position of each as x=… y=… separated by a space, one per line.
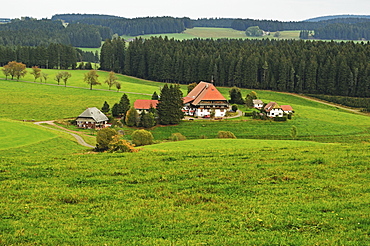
x=260 y=189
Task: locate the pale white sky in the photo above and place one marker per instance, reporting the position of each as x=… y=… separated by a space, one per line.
x=284 y=10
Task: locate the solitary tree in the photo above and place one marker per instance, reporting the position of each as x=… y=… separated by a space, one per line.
x=6 y=71
x=111 y=80
x=44 y=76
x=91 y=78
x=17 y=69
x=58 y=77
x=65 y=77
x=36 y=72
x=118 y=86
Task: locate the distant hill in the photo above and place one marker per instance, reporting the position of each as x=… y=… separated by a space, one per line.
x=331 y=17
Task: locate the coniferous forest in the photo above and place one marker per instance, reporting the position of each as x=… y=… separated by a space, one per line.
x=314 y=67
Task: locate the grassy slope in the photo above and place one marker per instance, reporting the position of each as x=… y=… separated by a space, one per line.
x=216 y=192
x=244 y=194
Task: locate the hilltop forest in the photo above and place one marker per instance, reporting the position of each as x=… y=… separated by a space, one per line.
x=314 y=67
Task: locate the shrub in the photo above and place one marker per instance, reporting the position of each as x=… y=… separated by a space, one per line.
x=177 y=137
x=225 y=134
x=234 y=107
x=142 y=137
x=120 y=145
x=103 y=138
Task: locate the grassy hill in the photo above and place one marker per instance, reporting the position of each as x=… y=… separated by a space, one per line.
x=260 y=189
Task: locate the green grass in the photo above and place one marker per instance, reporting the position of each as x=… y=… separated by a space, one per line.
x=259 y=189
x=14 y=134
x=273 y=193
x=211 y=32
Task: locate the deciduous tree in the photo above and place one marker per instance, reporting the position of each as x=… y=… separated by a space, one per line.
x=111 y=80
x=36 y=72
x=92 y=78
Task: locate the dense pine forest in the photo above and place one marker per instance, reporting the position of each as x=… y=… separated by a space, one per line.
x=30 y=32
x=58 y=56
x=314 y=67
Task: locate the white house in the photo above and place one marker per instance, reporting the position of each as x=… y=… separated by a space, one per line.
x=205 y=99
x=273 y=110
x=287 y=109
x=144 y=105
x=257 y=103
x=92 y=118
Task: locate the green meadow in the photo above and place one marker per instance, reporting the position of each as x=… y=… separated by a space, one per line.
x=263 y=188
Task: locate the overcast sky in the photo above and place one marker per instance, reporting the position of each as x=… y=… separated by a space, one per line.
x=284 y=10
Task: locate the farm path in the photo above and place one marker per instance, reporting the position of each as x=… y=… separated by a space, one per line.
x=353 y=110
x=76 y=87
x=79 y=139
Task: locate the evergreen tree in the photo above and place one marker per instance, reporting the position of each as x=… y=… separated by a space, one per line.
x=155 y=96
x=105 y=109
x=124 y=105
x=115 y=110
x=170 y=105
x=147 y=120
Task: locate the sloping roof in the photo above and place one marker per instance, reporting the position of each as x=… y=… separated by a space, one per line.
x=145 y=104
x=93 y=113
x=204 y=91
x=286 y=108
x=271 y=105
x=257 y=101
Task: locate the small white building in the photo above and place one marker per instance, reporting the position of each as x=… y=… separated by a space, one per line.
x=287 y=109
x=205 y=99
x=257 y=103
x=92 y=118
x=273 y=110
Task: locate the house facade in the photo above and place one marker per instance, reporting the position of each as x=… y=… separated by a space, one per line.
x=273 y=110
x=92 y=118
x=144 y=105
x=287 y=109
x=205 y=99
x=257 y=103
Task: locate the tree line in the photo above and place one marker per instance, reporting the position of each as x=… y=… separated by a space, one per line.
x=314 y=67
x=58 y=56
x=31 y=32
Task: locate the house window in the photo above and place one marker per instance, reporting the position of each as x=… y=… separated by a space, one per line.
x=221 y=110
x=272 y=113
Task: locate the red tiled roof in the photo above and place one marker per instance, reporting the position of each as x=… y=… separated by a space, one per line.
x=204 y=91
x=286 y=108
x=145 y=104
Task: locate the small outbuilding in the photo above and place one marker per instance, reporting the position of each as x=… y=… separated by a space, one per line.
x=257 y=103
x=287 y=109
x=92 y=118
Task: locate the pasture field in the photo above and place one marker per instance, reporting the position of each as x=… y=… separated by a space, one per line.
x=260 y=189
x=15 y=134
x=266 y=193
x=215 y=33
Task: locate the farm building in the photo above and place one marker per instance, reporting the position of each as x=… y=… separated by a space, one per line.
x=257 y=103
x=144 y=105
x=204 y=99
x=287 y=109
x=92 y=118
x=273 y=110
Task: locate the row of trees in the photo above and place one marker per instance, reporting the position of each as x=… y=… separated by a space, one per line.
x=343 y=31
x=53 y=56
x=314 y=67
